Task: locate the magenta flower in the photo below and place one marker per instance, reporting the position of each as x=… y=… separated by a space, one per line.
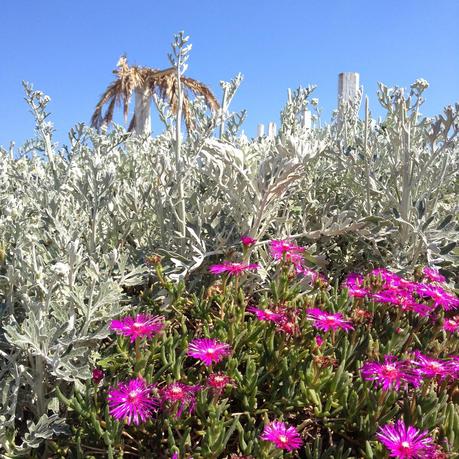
x=248 y=241
x=453 y=366
x=132 y=401
x=282 y=435
x=429 y=367
x=281 y=248
x=208 y=350
x=140 y=326
x=440 y=297
x=433 y=274
x=182 y=395
x=326 y=321
x=406 y=442
x=218 y=381
x=233 y=269
x=391 y=374
x=319 y=340
x=451 y=325
x=267 y=315
x=97 y=375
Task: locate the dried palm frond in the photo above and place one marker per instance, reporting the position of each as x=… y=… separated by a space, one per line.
x=161 y=82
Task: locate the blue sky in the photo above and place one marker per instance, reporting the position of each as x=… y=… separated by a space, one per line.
x=68 y=50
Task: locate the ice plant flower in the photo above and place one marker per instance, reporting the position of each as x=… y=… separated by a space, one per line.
x=97 y=375
x=441 y=298
x=433 y=275
x=267 y=315
x=391 y=374
x=181 y=394
x=140 y=326
x=451 y=325
x=248 y=241
x=282 y=435
x=429 y=367
x=233 y=269
x=325 y=321
x=218 y=381
x=406 y=442
x=319 y=340
x=208 y=350
x=132 y=401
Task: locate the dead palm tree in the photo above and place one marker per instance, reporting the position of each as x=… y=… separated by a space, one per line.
x=144 y=82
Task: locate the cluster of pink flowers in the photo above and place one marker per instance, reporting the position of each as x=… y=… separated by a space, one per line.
x=418 y=297
x=282 y=435
x=140 y=326
x=285 y=250
x=282 y=249
x=394 y=373
x=134 y=402
x=286 y=320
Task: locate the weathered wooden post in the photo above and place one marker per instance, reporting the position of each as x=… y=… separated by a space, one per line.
x=272 y=129
x=261 y=130
x=307 y=119
x=348 y=86
x=348 y=90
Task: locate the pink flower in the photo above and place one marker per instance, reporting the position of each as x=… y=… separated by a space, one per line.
x=319 y=340
x=282 y=435
x=429 y=367
x=391 y=374
x=440 y=297
x=218 y=381
x=326 y=321
x=181 y=394
x=97 y=375
x=248 y=241
x=433 y=274
x=267 y=314
x=453 y=366
x=208 y=350
x=233 y=269
x=289 y=250
x=132 y=401
x=140 y=326
x=451 y=325
x=406 y=442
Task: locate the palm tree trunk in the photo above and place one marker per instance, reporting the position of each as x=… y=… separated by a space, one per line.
x=142 y=112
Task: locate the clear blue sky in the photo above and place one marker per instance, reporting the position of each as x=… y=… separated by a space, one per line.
x=68 y=49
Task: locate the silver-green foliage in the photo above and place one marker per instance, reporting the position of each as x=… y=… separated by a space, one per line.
x=75 y=228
